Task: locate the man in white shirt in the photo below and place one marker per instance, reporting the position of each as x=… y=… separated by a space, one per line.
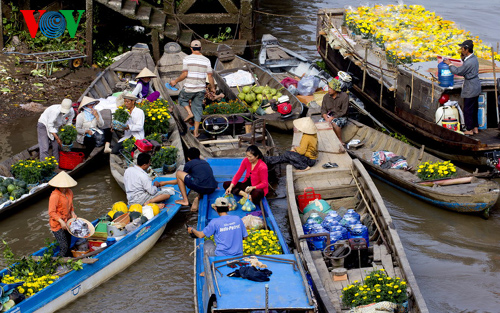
x=135 y=124
x=196 y=69
x=48 y=125
x=138 y=185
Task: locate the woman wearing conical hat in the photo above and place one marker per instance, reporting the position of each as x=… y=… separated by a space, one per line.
x=87 y=122
x=304 y=156
x=144 y=88
x=61 y=210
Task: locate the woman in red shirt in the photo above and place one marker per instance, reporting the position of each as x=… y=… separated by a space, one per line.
x=61 y=210
x=255 y=185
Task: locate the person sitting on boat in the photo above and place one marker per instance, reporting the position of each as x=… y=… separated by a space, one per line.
x=197 y=176
x=229 y=232
x=304 y=156
x=472 y=86
x=135 y=124
x=211 y=97
x=61 y=209
x=48 y=125
x=196 y=68
x=87 y=123
x=334 y=108
x=144 y=88
x=138 y=185
x=255 y=186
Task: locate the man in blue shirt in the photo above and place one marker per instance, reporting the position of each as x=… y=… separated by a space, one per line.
x=228 y=230
x=197 y=176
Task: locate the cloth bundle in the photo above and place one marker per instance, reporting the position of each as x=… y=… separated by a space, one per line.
x=387 y=159
x=252 y=273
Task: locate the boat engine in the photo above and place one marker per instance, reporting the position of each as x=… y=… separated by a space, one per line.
x=493 y=161
x=284 y=107
x=359 y=256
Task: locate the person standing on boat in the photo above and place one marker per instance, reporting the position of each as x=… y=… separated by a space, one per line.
x=135 y=124
x=229 y=232
x=472 y=86
x=61 y=210
x=196 y=69
x=48 y=125
x=144 y=88
x=255 y=186
x=197 y=176
x=334 y=108
x=304 y=156
x=138 y=185
x=87 y=123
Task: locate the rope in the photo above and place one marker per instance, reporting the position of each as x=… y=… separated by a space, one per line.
x=280 y=15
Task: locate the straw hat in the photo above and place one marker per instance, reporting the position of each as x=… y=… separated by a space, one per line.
x=86 y=101
x=145 y=73
x=129 y=95
x=62 y=180
x=305 y=125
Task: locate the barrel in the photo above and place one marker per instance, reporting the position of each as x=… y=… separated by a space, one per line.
x=445 y=76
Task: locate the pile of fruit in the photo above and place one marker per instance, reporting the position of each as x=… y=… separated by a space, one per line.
x=254 y=95
x=410 y=33
x=11 y=189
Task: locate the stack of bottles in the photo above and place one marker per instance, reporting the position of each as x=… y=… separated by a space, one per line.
x=339 y=228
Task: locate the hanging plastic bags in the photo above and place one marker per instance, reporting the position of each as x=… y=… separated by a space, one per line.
x=248 y=206
x=308 y=85
x=232 y=201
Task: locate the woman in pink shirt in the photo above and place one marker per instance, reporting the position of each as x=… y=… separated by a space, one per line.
x=255 y=185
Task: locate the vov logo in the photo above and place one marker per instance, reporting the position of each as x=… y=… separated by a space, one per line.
x=52 y=24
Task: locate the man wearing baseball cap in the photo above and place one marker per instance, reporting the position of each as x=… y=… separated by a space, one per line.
x=48 y=125
x=471 y=87
x=334 y=109
x=196 y=69
x=228 y=230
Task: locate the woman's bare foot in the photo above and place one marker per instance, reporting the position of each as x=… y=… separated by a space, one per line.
x=184 y=202
x=306 y=169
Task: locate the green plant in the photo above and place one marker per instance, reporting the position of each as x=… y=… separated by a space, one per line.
x=129 y=144
x=437 y=170
x=34 y=171
x=397 y=136
x=166 y=155
x=220 y=36
x=377 y=287
x=121 y=115
x=154 y=136
x=67 y=134
x=156 y=116
x=230 y=107
x=261 y=242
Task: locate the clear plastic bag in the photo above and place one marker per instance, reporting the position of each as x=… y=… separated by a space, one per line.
x=308 y=85
x=253 y=222
x=232 y=201
x=248 y=206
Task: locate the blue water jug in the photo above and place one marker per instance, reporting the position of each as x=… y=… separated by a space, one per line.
x=348 y=220
x=445 y=76
x=352 y=213
x=315 y=216
x=342 y=230
x=328 y=226
x=359 y=231
x=318 y=243
x=308 y=226
x=334 y=215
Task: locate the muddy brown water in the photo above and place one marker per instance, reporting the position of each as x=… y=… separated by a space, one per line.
x=455 y=257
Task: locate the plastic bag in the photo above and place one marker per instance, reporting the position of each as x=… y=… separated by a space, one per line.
x=253 y=222
x=308 y=85
x=288 y=81
x=232 y=201
x=248 y=206
x=318 y=205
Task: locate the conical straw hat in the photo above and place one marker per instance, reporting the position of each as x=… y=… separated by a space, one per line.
x=62 y=180
x=145 y=73
x=86 y=101
x=305 y=125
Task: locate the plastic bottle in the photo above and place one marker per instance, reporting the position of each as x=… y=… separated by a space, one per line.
x=445 y=76
x=316 y=217
x=359 y=231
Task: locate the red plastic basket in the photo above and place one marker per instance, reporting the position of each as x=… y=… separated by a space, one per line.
x=69 y=160
x=308 y=196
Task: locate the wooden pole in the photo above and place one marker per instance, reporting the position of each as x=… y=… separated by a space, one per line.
x=88 y=32
x=155 y=43
x=1 y=26
x=364 y=69
x=381 y=82
x=411 y=92
x=495 y=80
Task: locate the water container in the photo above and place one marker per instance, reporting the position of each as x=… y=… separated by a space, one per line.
x=351 y=212
x=359 y=231
x=446 y=112
x=315 y=216
x=334 y=215
x=445 y=76
x=308 y=226
x=318 y=243
x=342 y=230
x=331 y=223
x=348 y=221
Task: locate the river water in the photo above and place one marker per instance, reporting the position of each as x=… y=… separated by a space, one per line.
x=455 y=258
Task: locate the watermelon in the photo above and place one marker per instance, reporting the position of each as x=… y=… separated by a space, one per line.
x=11 y=188
x=16 y=194
x=3 y=189
x=134 y=215
x=1 y=180
x=117 y=214
x=20 y=184
x=7 y=182
x=144 y=219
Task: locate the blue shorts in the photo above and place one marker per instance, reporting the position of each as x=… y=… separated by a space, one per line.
x=191 y=184
x=196 y=102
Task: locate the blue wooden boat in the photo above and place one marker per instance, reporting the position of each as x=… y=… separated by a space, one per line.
x=111 y=262
x=215 y=292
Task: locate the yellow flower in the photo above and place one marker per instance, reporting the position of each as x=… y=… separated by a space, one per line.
x=399 y=291
x=62 y=129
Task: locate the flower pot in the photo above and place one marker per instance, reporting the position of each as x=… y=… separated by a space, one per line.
x=67 y=148
x=119 y=125
x=158 y=171
x=169 y=168
x=164 y=137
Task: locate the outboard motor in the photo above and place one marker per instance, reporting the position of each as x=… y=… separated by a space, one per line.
x=493 y=161
x=345 y=81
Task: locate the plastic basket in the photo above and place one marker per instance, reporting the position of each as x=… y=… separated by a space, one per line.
x=69 y=160
x=79 y=253
x=308 y=196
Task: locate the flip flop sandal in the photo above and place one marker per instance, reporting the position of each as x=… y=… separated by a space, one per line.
x=330 y=165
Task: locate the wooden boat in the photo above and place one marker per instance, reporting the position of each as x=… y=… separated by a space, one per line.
x=263 y=78
x=474 y=195
x=287 y=289
x=349 y=186
x=218 y=142
x=101 y=267
x=408 y=97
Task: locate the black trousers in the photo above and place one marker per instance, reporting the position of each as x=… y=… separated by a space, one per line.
x=297 y=160
x=257 y=194
x=471 y=107
x=64 y=240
